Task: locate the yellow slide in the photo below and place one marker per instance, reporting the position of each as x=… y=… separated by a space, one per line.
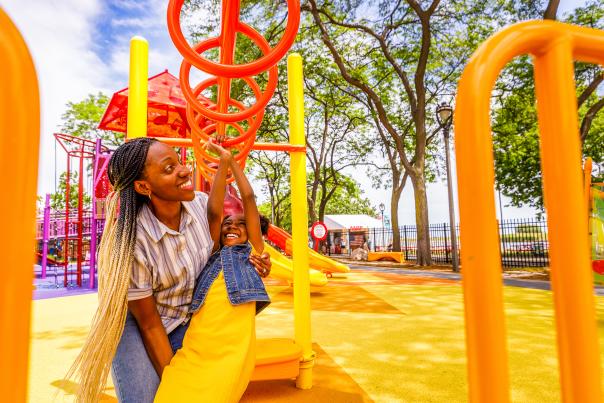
x=320 y=262
x=282 y=268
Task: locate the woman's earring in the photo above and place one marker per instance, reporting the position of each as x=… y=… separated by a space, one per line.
x=149 y=196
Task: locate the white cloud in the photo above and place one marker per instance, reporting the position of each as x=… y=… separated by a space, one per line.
x=62 y=36
x=58 y=35
x=132 y=23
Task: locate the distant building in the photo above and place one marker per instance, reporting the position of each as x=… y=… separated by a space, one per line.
x=346 y=232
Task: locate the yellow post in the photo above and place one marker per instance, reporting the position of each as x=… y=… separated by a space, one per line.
x=19 y=140
x=299 y=220
x=137 y=90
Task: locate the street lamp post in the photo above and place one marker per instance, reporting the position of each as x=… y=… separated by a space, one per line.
x=382 y=208
x=444 y=114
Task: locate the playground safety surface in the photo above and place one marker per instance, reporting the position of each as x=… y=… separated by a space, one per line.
x=381 y=334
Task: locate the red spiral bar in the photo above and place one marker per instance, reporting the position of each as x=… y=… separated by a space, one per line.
x=223 y=73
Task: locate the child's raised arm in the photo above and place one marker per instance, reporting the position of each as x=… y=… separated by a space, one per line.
x=250 y=210
x=217 y=192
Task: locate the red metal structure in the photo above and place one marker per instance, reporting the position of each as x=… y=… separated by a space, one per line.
x=166 y=109
x=80 y=149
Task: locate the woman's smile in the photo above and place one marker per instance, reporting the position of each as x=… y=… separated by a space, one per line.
x=188 y=185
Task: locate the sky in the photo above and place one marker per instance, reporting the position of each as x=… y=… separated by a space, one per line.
x=80 y=47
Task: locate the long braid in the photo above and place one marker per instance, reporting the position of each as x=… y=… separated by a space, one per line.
x=116 y=254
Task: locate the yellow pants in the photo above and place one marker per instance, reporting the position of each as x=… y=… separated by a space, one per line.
x=217 y=358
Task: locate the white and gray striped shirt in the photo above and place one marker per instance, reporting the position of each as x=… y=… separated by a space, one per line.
x=167 y=262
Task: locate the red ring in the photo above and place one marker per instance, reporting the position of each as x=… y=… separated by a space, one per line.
x=240 y=70
x=197 y=113
x=254 y=123
x=262 y=98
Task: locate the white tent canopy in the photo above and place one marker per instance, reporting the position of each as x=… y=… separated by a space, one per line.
x=351 y=221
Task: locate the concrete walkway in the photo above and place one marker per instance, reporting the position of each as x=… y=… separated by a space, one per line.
x=514 y=282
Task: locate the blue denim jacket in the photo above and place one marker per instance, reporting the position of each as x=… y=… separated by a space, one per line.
x=243 y=283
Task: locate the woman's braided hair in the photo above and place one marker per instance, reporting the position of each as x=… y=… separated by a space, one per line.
x=116 y=254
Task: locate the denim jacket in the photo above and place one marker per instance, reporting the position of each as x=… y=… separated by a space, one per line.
x=243 y=283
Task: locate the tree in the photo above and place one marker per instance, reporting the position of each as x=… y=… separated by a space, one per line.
x=57 y=200
x=347 y=198
x=336 y=131
x=81 y=119
x=516 y=137
x=336 y=136
x=399 y=58
x=273 y=170
x=395 y=59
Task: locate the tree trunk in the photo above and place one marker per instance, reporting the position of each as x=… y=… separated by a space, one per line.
x=424 y=257
x=312 y=214
x=551 y=10
x=395 y=198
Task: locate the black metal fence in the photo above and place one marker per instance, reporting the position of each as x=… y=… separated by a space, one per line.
x=523 y=242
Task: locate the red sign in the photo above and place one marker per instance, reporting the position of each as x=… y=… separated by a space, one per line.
x=318 y=231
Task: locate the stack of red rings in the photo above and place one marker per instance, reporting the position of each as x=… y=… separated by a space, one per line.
x=223 y=72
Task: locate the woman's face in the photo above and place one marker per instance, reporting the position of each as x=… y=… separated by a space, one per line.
x=233 y=231
x=165 y=176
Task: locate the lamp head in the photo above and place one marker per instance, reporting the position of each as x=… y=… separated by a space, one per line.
x=444 y=111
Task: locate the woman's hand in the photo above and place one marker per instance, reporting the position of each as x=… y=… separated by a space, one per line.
x=223 y=154
x=262 y=263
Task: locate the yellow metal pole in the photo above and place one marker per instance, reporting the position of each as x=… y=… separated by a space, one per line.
x=137 y=89
x=19 y=140
x=299 y=220
x=564 y=198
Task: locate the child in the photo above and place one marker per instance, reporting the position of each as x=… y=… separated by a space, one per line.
x=216 y=361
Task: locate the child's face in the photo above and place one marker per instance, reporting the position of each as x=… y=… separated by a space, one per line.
x=233 y=231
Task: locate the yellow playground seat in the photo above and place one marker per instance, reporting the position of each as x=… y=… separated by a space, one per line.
x=277 y=359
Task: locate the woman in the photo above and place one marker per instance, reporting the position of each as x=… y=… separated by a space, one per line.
x=150 y=255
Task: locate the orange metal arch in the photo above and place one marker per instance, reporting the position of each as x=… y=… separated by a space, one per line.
x=19 y=140
x=553 y=47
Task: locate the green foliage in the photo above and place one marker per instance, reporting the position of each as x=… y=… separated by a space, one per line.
x=516 y=135
x=346 y=199
x=529 y=229
x=335 y=123
x=81 y=119
x=57 y=200
x=273 y=171
x=521 y=237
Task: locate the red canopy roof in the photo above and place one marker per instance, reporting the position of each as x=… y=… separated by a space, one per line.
x=166 y=109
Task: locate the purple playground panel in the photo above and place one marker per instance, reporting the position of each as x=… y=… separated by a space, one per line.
x=67 y=238
x=61 y=292
x=52 y=285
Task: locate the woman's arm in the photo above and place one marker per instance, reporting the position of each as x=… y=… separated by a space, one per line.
x=152 y=332
x=217 y=192
x=250 y=210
